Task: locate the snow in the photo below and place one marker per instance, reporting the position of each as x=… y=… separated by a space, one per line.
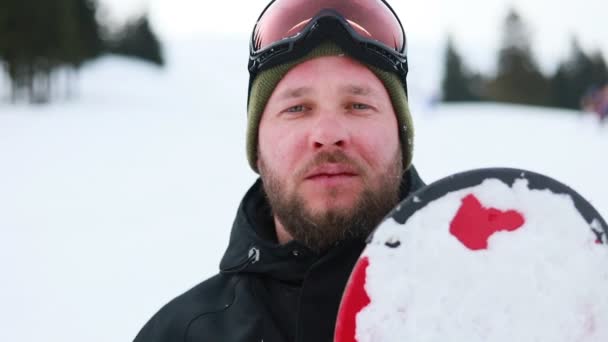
x=596 y=225
x=114 y=203
x=545 y=281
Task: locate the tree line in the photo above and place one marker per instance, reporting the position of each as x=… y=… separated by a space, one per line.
x=518 y=78
x=41 y=40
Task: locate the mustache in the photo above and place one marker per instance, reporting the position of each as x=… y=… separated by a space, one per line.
x=327 y=157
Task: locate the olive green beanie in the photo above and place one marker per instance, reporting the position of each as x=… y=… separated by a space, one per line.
x=267 y=80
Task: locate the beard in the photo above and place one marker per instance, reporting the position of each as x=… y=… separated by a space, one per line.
x=321 y=230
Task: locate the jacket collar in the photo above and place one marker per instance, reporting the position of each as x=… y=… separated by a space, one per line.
x=253 y=247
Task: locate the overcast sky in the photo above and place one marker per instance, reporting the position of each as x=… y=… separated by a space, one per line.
x=475 y=24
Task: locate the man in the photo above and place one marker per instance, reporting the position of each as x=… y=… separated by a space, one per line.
x=330 y=133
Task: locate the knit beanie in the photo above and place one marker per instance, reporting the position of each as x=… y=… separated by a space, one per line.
x=267 y=80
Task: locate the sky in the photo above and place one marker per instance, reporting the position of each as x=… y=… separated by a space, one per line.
x=474 y=24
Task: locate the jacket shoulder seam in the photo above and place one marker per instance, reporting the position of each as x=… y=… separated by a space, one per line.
x=209 y=312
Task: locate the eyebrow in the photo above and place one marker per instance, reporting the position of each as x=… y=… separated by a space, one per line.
x=357 y=90
x=295 y=93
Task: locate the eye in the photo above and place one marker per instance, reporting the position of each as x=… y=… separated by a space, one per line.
x=295 y=109
x=360 y=106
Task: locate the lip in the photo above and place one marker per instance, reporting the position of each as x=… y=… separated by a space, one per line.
x=328 y=171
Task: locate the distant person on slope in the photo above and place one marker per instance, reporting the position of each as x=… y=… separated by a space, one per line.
x=596 y=101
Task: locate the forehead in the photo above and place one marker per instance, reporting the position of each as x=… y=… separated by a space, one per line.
x=323 y=71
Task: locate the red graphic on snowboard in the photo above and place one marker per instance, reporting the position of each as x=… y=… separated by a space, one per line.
x=473 y=224
x=354 y=300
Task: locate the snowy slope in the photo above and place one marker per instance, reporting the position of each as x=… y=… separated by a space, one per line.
x=113 y=204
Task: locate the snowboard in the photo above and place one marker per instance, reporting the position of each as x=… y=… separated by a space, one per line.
x=486 y=255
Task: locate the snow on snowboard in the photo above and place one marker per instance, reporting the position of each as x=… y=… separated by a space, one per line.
x=486 y=255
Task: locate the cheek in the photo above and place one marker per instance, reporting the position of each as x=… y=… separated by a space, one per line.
x=378 y=144
x=280 y=148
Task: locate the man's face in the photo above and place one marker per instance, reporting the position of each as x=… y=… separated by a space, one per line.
x=329 y=152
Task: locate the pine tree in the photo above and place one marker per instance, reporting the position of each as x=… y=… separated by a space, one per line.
x=575 y=77
x=457 y=81
x=518 y=78
x=560 y=87
x=138 y=40
x=599 y=69
x=40 y=37
x=88 y=43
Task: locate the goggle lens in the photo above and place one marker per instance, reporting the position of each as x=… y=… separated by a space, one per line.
x=371 y=19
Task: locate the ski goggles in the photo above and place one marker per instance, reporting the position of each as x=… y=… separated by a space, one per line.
x=369 y=30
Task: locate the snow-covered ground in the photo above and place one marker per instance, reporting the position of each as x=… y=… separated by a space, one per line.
x=113 y=204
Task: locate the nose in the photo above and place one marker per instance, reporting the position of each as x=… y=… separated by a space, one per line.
x=328 y=132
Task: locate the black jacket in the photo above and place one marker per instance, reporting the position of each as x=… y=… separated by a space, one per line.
x=264 y=291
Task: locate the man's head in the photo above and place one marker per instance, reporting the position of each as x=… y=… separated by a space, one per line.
x=329 y=133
